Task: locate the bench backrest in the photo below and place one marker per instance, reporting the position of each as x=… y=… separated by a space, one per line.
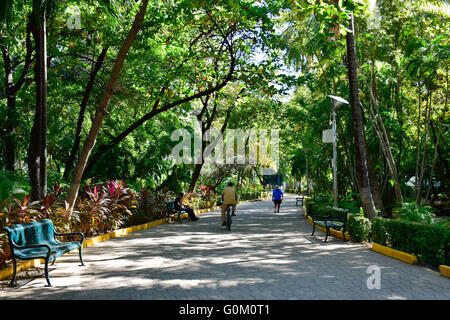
x=32 y=233
x=339 y=213
x=170 y=205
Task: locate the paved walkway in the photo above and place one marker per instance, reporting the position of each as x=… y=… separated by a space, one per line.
x=265 y=256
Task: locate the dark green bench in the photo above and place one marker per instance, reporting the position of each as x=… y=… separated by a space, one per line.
x=36 y=240
x=171 y=210
x=335 y=218
x=300 y=199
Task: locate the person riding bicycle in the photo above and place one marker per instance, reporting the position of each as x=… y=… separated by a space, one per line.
x=229 y=198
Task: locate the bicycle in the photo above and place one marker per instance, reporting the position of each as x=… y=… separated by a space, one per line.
x=228 y=218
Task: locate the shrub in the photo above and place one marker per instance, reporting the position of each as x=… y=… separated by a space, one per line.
x=413 y=212
x=121 y=201
x=430 y=243
x=12 y=184
x=358 y=227
x=308 y=206
x=149 y=206
x=93 y=209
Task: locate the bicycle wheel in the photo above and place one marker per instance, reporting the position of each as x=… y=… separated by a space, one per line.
x=228 y=218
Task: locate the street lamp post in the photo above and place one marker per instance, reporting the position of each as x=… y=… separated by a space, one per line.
x=337 y=102
x=307 y=172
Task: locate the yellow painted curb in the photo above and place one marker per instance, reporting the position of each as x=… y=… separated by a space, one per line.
x=7 y=271
x=396 y=254
x=445 y=270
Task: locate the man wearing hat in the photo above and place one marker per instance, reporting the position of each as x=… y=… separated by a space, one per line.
x=277 y=197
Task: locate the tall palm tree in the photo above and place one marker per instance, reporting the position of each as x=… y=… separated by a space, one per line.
x=365 y=191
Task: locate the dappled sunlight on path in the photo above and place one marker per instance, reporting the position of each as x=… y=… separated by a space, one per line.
x=265 y=256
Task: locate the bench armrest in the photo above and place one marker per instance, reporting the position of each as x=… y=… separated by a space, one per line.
x=71 y=234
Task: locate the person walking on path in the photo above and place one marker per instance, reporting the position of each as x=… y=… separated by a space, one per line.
x=179 y=206
x=277 y=197
x=229 y=197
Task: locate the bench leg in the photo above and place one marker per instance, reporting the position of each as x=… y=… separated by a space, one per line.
x=13 y=280
x=326 y=236
x=46 y=274
x=314 y=229
x=81 y=258
x=179 y=217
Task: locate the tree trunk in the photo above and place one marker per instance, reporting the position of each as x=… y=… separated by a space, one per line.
x=416 y=181
x=383 y=139
x=424 y=155
x=42 y=56
x=11 y=91
x=103 y=106
x=358 y=128
x=36 y=156
x=195 y=175
x=198 y=166
x=373 y=182
x=10 y=136
x=435 y=152
x=83 y=105
x=349 y=157
x=261 y=180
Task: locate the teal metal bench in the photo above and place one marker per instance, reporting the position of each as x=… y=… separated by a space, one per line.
x=336 y=220
x=36 y=240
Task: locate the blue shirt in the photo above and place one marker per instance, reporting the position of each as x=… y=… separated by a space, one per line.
x=277 y=193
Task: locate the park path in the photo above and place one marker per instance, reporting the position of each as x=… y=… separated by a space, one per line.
x=265 y=256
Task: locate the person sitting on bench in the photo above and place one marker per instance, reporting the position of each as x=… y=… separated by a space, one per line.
x=179 y=206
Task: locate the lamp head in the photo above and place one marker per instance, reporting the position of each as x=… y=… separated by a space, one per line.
x=337 y=101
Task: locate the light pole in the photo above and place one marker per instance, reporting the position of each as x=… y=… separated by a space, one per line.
x=337 y=102
x=307 y=173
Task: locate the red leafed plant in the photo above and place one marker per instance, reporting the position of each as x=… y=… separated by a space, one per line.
x=121 y=201
x=93 y=210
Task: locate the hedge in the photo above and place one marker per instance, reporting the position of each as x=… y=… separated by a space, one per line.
x=430 y=243
x=358 y=227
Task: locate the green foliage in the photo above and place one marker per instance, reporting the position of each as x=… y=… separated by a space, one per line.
x=430 y=243
x=149 y=206
x=414 y=213
x=358 y=227
x=12 y=184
